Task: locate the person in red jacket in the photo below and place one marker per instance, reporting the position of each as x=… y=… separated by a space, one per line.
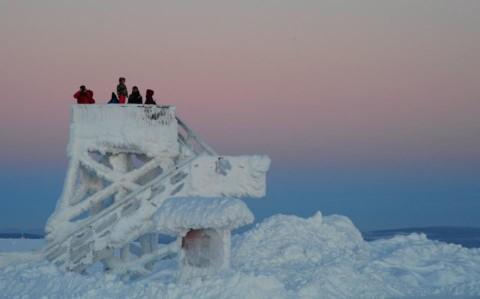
x=84 y=96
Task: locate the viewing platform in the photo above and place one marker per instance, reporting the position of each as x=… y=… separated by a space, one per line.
x=130 y=128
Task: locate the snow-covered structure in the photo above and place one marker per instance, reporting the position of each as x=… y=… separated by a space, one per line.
x=136 y=171
x=203 y=227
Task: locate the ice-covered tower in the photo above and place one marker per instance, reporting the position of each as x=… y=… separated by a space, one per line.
x=136 y=171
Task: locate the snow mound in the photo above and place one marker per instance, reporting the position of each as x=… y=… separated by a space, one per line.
x=178 y=215
x=282 y=240
x=327 y=256
x=282 y=257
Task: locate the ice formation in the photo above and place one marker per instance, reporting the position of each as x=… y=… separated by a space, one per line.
x=203 y=227
x=178 y=215
x=233 y=176
x=127 y=164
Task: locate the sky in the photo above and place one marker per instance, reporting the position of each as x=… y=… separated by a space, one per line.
x=367 y=109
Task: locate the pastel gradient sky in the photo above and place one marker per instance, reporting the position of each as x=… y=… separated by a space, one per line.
x=368 y=109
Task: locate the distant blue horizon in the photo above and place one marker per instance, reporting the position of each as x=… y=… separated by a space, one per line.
x=373 y=199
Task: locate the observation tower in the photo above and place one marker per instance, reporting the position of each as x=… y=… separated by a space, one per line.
x=136 y=172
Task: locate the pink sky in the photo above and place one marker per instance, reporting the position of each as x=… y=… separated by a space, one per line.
x=368 y=109
x=357 y=82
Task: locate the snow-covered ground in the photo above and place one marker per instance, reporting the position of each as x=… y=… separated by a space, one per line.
x=282 y=257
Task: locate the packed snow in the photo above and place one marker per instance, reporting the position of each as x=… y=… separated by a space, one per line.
x=281 y=257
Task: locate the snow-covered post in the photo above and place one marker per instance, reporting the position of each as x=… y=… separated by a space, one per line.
x=92 y=183
x=203 y=229
x=120 y=163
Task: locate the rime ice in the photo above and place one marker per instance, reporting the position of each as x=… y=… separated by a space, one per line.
x=128 y=166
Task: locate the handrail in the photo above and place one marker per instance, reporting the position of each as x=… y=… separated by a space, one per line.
x=120 y=203
x=195 y=136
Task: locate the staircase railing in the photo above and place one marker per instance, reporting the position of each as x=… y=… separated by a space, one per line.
x=58 y=248
x=190 y=136
x=91 y=231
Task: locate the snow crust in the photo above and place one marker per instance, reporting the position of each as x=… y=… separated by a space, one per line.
x=178 y=215
x=149 y=129
x=282 y=257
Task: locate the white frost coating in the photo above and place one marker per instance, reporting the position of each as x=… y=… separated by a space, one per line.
x=229 y=176
x=178 y=215
x=124 y=163
x=151 y=130
x=148 y=130
x=139 y=221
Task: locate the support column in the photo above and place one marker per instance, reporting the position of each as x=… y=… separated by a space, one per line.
x=120 y=163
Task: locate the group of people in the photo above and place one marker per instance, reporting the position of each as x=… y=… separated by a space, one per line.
x=85 y=96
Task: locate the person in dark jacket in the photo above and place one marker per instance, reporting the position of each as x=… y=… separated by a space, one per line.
x=84 y=96
x=149 y=98
x=114 y=99
x=135 y=97
x=122 y=90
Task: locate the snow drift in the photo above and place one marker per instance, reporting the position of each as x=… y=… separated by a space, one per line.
x=282 y=257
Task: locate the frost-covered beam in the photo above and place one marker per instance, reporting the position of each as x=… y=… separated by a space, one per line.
x=101 y=170
x=125 y=181
x=240 y=176
x=69 y=213
x=178 y=215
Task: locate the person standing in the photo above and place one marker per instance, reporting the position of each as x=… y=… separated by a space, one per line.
x=149 y=98
x=84 y=96
x=122 y=91
x=135 y=97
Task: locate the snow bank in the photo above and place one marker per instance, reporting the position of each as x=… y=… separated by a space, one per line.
x=238 y=176
x=283 y=257
x=327 y=257
x=151 y=130
x=178 y=215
